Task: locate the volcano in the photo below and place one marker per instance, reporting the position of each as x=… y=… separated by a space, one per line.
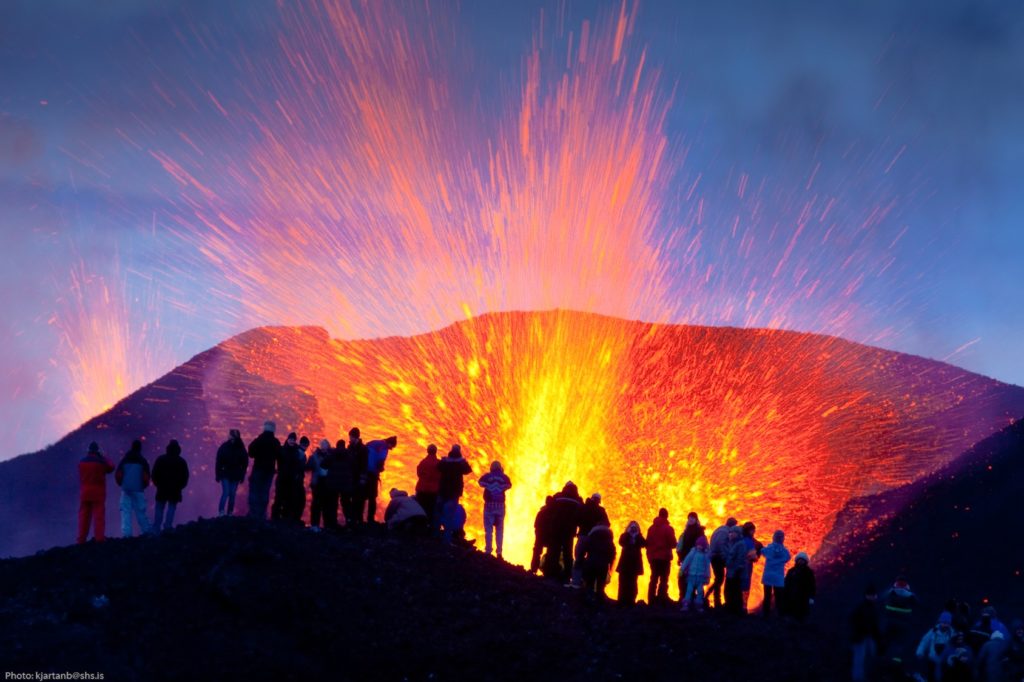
x=781 y=427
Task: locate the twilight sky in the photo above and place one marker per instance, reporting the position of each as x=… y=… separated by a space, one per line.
x=839 y=167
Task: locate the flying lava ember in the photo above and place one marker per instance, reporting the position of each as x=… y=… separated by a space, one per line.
x=356 y=174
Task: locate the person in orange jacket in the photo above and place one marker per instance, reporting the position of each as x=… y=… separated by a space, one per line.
x=92 y=472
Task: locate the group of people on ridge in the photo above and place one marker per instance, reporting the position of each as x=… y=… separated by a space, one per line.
x=574 y=542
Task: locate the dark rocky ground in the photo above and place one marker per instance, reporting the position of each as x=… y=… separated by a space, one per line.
x=235 y=599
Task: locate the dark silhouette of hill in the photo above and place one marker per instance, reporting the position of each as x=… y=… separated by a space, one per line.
x=778 y=426
x=953 y=534
x=238 y=599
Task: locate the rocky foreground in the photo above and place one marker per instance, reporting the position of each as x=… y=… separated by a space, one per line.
x=236 y=599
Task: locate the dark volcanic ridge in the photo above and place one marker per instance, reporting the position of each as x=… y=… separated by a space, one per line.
x=237 y=599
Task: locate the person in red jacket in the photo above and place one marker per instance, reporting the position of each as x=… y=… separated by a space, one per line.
x=93 y=470
x=661 y=541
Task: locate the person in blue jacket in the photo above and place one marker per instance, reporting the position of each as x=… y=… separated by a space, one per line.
x=776 y=556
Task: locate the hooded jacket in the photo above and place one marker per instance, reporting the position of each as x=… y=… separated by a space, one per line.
x=736 y=563
x=720 y=541
x=428 y=476
x=598 y=551
x=631 y=561
x=565 y=519
x=697 y=566
x=661 y=540
x=688 y=538
x=232 y=461
x=452 y=469
x=495 y=483
x=170 y=474
x=592 y=514
x=402 y=508
x=776 y=556
x=92 y=477
x=341 y=470
x=132 y=472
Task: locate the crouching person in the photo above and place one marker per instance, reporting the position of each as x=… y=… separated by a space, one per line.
x=598 y=555
x=404 y=514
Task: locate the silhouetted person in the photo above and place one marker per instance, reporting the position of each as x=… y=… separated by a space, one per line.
x=800 y=588
x=592 y=514
x=865 y=635
x=494 y=483
x=543 y=536
x=288 y=470
x=661 y=541
x=983 y=628
x=719 y=544
x=170 y=476
x=453 y=518
x=754 y=548
x=631 y=563
x=597 y=558
x=1015 y=652
x=735 y=566
x=297 y=496
x=898 y=602
x=687 y=540
x=776 y=556
x=565 y=520
x=229 y=470
x=991 y=663
x=132 y=475
x=958 y=661
x=264 y=451
x=376 y=456
x=92 y=478
x=341 y=485
x=428 y=483
x=319 y=489
x=404 y=514
x=359 y=456
x=695 y=573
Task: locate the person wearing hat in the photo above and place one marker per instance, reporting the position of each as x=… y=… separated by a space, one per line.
x=264 y=451
x=687 y=539
x=92 y=508
x=898 y=610
x=661 y=542
x=229 y=470
x=495 y=483
x=695 y=571
x=718 y=545
x=800 y=588
x=376 y=456
x=776 y=556
x=592 y=514
x=934 y=644
x=735 y=566
x=170 y=476
x=631 y=563
x=132 y=474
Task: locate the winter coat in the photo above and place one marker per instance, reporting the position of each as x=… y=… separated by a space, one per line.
x=542 y=526
x=631 y=562
x=232 y=461
x=452 y=469
x=991 y=660
x=934 y=643
x=864 y=622
x=565 y=520
x=598 y=551
x=291 y=465
x=800 y=588
x=776 y=556
x=132 y=472
x=170 y=476
x=720 y=541
x=341 y=471
x=495 y=484
x=360 y=460
x=957 y=664
x=92 y=477
x=315 y=464
x=402 y=508
x=736 y=563
x=592 y=514
x=428 y=476
x=264 y=451
x=661 y=540
x=376 y=455
x=688 y=539
x=697 y=566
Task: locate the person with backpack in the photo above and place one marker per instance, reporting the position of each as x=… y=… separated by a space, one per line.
x=170 y=476
x=376 y=455
x=495 y=483
x=132 y=475
x=718 y=546
x=776 y=556
x=92 y=507
x=264 y=451
x=597 y=558
x=229 y=470
x=898 y=605
x=428 y=482
x=695 y=571
x=800 y=588
x=631 y=563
